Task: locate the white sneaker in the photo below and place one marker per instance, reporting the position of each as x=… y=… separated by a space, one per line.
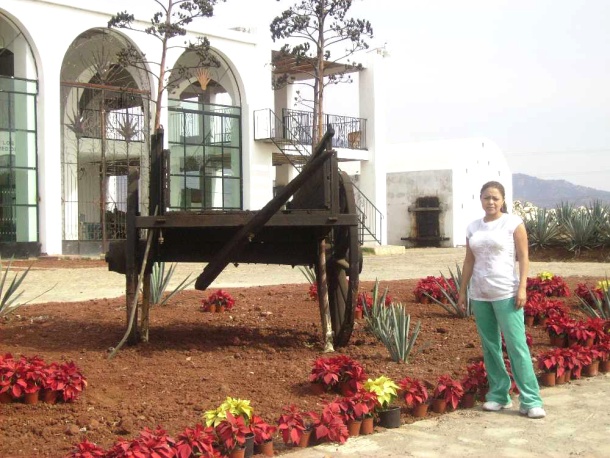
x=493 y=406
x=534 y=412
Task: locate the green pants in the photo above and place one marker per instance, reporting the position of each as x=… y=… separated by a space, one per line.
x=502 y=316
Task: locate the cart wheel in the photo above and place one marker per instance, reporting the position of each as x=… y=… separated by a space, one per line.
x=343 y=265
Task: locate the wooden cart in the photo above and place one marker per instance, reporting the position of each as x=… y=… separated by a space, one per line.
x=317 y=228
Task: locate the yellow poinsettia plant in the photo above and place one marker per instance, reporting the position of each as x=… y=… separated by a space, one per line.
x=237 y=407
x=384 y=388
x=545 y=276
x=603 y=285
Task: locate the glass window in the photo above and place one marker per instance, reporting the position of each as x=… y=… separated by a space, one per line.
x=24 y=149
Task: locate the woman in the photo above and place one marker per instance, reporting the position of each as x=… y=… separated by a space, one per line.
x=498 y=295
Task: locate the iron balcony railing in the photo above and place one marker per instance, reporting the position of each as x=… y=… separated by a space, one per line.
x=297 y=126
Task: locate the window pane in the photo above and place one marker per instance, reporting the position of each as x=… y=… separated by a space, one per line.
x=26 y=224
x=234 y=157
x=24 y=149
x=25 y=186
x=232 y=129
x=231 y=193
x=24 y=113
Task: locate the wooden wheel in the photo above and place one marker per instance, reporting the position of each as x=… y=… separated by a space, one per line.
x=343 y=266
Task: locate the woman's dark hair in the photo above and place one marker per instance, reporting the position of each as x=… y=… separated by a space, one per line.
x=496 y=185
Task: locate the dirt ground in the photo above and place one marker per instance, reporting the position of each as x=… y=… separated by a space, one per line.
x=262 y=350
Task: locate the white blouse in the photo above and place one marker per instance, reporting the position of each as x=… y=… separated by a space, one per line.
x=494 y=275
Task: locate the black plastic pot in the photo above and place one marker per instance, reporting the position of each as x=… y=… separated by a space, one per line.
x=390 y=418
x=249 y=445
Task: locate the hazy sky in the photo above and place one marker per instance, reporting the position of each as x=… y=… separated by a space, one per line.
x=531 y=75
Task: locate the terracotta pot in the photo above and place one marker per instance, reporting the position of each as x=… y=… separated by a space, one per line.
x=548 y=379
x=212 y=308
x=220 y=308
x=558 y=341
x=266 y=448
x=604 y=366
x=468 y=400
x=305 y=437
x=31 y=398
x=367 y=426
x=345 y=389
x=358 y=314
x=529 y=320
x=5 y=398
x=591 y=370
x=542 y=320
x=439 y=405
x=353 y=427
x=238 y=452
x=49 y=396
x=424 y=300
x=561 y=379
x=420 y=410
x=390 y=417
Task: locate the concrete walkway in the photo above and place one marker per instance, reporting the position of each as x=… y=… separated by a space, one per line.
x=69 y=285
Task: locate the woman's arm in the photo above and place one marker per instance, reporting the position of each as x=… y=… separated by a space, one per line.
x=467 y=269
x=521 y=247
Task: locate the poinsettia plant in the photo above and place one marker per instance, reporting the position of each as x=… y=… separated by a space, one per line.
x=449 y=389
x=548 y=284
x=361 y=404
x=552 y=360
x=330 y=426
x=219 y=298
x=197 y=441
x=385 y=389
x=232 y=432
x=413 y=391
x=147 y=443
x=86 y=449
x=263 y=431
x=335 y=370
x=293 y=422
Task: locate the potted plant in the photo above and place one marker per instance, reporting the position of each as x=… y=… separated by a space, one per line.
x=296 y=425
x=34 y=375
x=415 y=394
x=340 y=373
x=550 y=362
x=232 y=434
x=579 y=333
x=548 y=284
x=426 y=288
x=235 y=406
x=263 y=435
x=603 y=348
x=386 y=391
x=448 y=390
x=86 y=449
x=197 y=441
x=330 y=426
x=218 y=301
x=74 y=382
x=557 y=326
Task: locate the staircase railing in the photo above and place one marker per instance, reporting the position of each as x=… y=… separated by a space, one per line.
x=370 y=218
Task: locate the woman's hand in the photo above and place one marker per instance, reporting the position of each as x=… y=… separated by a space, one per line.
x=521 y=298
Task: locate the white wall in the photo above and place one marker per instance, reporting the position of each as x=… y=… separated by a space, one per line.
x=247 y=54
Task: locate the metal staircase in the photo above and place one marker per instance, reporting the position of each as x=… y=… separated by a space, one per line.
x=288 y=135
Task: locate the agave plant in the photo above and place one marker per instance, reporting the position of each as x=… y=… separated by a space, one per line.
x=450 y=289
x=597 y=303
x=391 y=325
x=542 y=228
x=159 y=281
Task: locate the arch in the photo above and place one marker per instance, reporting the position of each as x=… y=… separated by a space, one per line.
x=105 y=130
x=204 y=134
x=19 y=226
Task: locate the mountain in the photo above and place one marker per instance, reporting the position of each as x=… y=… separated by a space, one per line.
x=550 y=193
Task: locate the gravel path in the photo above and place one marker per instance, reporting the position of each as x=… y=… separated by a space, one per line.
x=90 y=283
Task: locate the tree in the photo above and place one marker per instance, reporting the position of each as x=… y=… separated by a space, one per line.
x=167 y=25
x=317 y=27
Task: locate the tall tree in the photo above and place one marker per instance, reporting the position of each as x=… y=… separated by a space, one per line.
x=166 y=25
x=315 y=29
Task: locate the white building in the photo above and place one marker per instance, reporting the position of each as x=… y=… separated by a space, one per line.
x=72 y=119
